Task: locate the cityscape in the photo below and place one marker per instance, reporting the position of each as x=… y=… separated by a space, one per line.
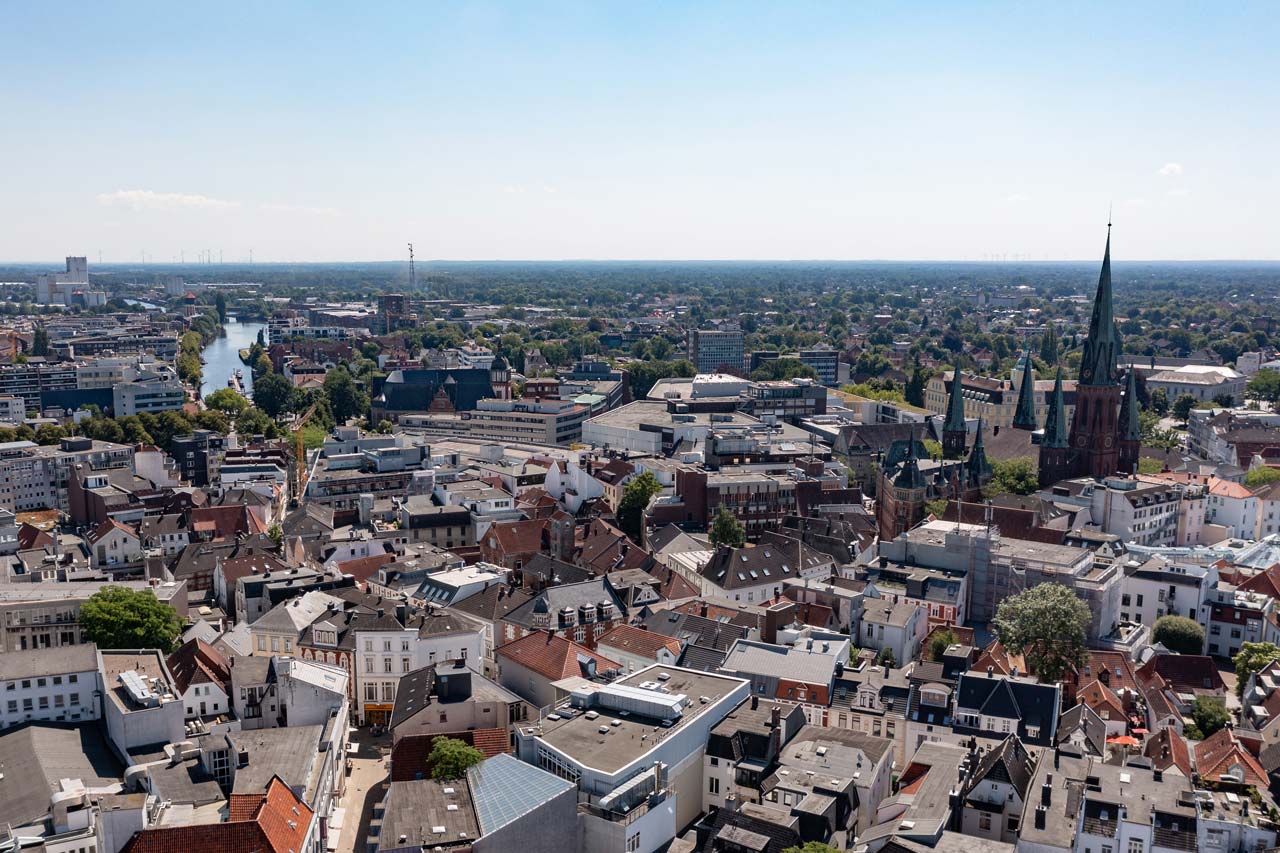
x=545 y=438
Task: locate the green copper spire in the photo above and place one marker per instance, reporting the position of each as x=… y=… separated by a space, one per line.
x=1129 y=420
x=1055 y=422
x=1024 y=417
x=955 y=405
x=1102 y=347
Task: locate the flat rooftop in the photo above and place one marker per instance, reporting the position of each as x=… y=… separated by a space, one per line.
x=581 y=739
x=655 y=413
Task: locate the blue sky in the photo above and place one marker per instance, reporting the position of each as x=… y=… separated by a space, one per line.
x=328 y=131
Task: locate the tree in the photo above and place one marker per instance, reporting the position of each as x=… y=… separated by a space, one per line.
x=936 y=508
x=50 y=434
x=886 y=658
x=1182 y=407
x=1016 y=476
x=635 y=497
x=1261 y=476
x=727 y=530
x=1147 y=465
x=220 y=303
x=1046 y=624
x=783 y=368
x=346 y=400
x=941 y=641
x=1049 y=345
x=450 y=758
x=1265 y=385
x=1252 y=657
x=117 y=617
x=914 y=392
x=275 y=534
x=1210 y=714
x=273 y=394
x=812 y=847
x=1159 y=402
x=1179 y=634
x=227 y=400
x=40 y=342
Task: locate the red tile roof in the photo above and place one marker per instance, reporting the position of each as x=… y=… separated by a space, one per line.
x=223 y=521
x=552 y=656
x=106 y=527
x=197 y=662
x=516 y=537
x=1222 y=753
x=275 y=821
x=363 y=568
x=410 y=753
x=1185 y=673
x=1168 y=749
x=638 y=641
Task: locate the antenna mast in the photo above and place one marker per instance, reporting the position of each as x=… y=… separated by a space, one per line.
x=413 y=276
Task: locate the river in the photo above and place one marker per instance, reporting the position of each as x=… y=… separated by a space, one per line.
x=222 y=357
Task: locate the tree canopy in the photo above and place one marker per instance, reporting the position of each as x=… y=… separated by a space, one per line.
x=117 y=617
x=727 y=530
x=1261 y=476
x=1016 y=476
x=1252 y=657
x=1179 y=634
x=1209 y=714
x=449 y=758
x=635 y=497
x=1047 y=625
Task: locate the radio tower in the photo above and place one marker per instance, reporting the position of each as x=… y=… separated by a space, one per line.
x=413 y=276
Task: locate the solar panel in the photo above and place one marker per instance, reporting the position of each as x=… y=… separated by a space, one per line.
x=504 y=788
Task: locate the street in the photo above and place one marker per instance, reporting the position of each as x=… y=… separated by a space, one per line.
x=365 y=788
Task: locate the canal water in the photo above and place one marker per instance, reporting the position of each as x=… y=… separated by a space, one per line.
x=222 y=357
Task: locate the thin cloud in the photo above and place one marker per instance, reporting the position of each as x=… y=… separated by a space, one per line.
x=1171 y=170
x=300 y=208
x=1016 y=198
x=1177 y=193
x=1135 y=202
x=152 y=200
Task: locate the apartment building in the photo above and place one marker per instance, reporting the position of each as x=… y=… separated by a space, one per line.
x=49 y=684
x=709 y=349
x=35 y=477
x=47 y=615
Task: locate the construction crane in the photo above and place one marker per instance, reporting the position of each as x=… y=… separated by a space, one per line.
x=301 y=453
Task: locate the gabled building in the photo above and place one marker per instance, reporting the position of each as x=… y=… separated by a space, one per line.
x=995 y=793
x=992 y=706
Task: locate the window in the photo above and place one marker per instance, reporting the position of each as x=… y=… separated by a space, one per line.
x=262 y=644
x=404 y=645
x=275 y=644
x=713 y=786
x=1135 y=845
x=633 y=843
x=386 y=664
x=984 y=821
x=371 y=693
x=368 y=664
x=404 y=664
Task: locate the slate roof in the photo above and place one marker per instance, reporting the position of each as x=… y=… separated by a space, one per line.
x=542 y=570
x=1081 y=718
x=37 y=756
x=494 y=603
x=556 y=598
x=738 y=568
x=1029 y=703
x=1009 y=762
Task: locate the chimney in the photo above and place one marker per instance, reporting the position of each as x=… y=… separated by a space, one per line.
x=775 y=730
x=991 y=672
x=1041 y=812
x=1057 y=758
x=1046 y=791
x=1157 y=775
x=755 y=701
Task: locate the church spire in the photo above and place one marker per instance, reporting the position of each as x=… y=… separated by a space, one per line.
x=1024 y=417
x=1102 y=346
x=954 y=436
x=976 y=466
x=1130 y=422
x=1055 y=422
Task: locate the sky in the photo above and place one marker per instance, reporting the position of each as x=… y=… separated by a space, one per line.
x=693 y=130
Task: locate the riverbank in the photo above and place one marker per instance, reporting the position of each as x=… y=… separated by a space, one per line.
x=223 y=356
